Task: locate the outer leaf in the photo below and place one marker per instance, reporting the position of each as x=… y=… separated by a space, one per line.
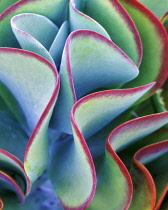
x=79 y=20
x=98 y=63
x=29 y=30
x=130 y=132
x=5 y=4
x=154 y=63
x=144 y=185
x=13 y=167
x=56 y=12
x=9 y=184
x=157 y=6
x=127 y=154
x=96 y=110
x=125 y=134
x=35 y=84
x=74 y=191
x=118 y=24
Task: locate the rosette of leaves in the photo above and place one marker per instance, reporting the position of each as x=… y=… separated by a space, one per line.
x=83 y=92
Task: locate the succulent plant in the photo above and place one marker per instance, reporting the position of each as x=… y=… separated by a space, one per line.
x=83 y=105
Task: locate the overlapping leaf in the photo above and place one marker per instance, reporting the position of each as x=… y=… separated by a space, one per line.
x=34 y=83
x=154 y=157
x=13 y=177
x=158 y=7
x=118 y=24
x=73 y=177
x=154 y=62
x=128 y=133
x=5 y=4
x=29 y=30
x=56 y=12
x=89 y=62
x=79 y=20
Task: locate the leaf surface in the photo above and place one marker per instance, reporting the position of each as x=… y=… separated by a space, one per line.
x=158 y=7
x=9 y=184
x=154 y=62
x=57 y=46
x=146 y=162
x=79 y=20
x=118 y=24
x=14 y=168
x=56 y=12
x=71 y=165
x=34 y=82
x=29 y=30
x=90 y=62
x=5 y=4
x=128 y=133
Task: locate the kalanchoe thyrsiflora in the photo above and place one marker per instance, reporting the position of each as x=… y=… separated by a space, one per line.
x=90 y=75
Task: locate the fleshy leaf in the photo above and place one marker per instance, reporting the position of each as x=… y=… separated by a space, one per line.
x=96 y=110
x=29 y=30
x=133 y=130
x=8 y=183
x=157 y=6
x=86 y=116
x=56 y=12
x=13 y=167
x=72 y=172
x=91 y=113
x=90 y=62
x=79 y=20
x=127 y=154
x=143 y=182
x=57 y=46
x=5 y=4
x=118 y=24
x=34 y=82
x=130 y=132
x=154 y=62
x=12 y=136
x=10 y=105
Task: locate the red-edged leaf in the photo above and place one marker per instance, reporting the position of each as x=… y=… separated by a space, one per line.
x=56 y=11
x=90 y=62
x=144 y=185
x=154 y=62
x=34 y=82
x=79 y=20
x=118 y=24
x=9 y=184
x=14 y=167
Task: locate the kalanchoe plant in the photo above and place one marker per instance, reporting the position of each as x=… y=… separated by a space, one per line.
x=83 y=105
